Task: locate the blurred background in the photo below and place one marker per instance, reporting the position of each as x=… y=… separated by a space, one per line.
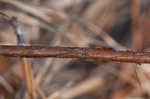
x=117 y=24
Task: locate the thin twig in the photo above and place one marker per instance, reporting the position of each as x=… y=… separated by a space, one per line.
x=28 y=78
x=31 y=84
x=75 y=52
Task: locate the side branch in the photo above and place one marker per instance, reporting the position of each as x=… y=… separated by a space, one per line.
x=75 y=52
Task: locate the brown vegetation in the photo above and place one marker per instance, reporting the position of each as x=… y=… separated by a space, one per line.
x=75 y=29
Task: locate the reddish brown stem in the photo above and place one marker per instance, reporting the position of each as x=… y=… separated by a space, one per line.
x=28 y=77
x=75 y=52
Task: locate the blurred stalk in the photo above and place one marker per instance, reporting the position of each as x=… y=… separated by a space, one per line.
x=27 y=74
x=137 y=36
